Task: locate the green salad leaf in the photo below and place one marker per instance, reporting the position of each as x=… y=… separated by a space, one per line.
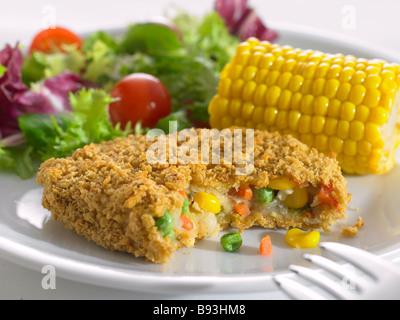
x=188 y=62
x=150 y=38
x=19 y=160
x=178 y=119
x=207 y=37
x=60 y=135
x=41 y=66
x=101 y=58
x=102 y=36
x=3 y=70
x=55 y=136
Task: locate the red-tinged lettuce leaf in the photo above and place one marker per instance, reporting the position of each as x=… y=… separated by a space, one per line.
x=243 y=21
x=16 y=99
x=10 y=85
x=253 y=26
x=232 y=11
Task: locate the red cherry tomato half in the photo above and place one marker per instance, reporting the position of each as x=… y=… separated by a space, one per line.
x=49 y=40
x=141 y=97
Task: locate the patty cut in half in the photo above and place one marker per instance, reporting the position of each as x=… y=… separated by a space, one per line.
x=150 y=197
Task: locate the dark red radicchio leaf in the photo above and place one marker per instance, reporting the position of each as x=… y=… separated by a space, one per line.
x=10 y=85
x=252 y=26
x=50 y=96
x=232 y=11
x=243 y=21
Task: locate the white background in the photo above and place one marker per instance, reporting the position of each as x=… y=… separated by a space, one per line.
x=376 y=22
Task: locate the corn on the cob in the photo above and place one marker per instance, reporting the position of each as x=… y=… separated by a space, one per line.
x=335 y=103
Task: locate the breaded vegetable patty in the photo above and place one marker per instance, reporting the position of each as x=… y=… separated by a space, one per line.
x=152 y=196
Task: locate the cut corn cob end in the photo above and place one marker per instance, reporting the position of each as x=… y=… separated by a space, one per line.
x=338 y=104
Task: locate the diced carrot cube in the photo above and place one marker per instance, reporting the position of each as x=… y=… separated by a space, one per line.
x=242 y=208
x=187 y=223
x=184 y=194
x=325 y=196
x=266 y=246
x=245 y=193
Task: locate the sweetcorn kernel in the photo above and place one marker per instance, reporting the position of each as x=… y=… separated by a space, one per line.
x=284 y=100
x=372 y=98
x=294 y=118
x=237 y=88
x=266 y=60
x=372 y=132
x=343 y=129
x=344 y=91
x=331 y=88
x=321 y=142
x=272 y=96
x=357 y=130
x=336 y=144
x=296 y=83
x=226 y=122
x=247 y=110
x=357 y=94
x=347 y=111
x=305 y=124
x=347 y=74
x=258 y=115
x=207 y=202
x=282 y=120
x=297 y=238
x=331 y=126
x=224 y=88
x=282 y=183
x=321 y=105
x=270 y=115
x=373 y=81
x=378 y=115
x=307 y=104
x=298 y=199
x=362 y=113
x=235 y=107
x=248 y=90
x=317 y=124
x=249 y=73
x=296 y=101
x=259 y=94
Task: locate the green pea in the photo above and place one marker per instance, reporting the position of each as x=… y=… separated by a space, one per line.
x=265 y=195
x=165 y=225
x=231 y=242
x=186 y=205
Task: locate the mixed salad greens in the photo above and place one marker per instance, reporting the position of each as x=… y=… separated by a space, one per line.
x=59 y=95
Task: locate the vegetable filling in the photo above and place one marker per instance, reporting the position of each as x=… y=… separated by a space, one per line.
x=203 y=213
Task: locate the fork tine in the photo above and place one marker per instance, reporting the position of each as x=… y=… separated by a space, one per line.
x=365 y=261
x=296 y=290
x=315 y=277
x=337 y=270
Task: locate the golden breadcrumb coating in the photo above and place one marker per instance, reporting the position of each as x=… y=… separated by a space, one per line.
x=111 y=194
x=351 y=232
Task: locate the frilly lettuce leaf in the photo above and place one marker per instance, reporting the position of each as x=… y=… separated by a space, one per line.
x=101 y=51
x=61 y=134
x=41 y=66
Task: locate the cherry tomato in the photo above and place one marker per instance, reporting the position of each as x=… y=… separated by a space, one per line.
x=141 y=97
x=49 y=40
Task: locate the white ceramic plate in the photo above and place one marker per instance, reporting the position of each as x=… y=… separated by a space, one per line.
x=29 y=237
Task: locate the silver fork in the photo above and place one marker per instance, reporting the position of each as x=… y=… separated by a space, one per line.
x=382 y=282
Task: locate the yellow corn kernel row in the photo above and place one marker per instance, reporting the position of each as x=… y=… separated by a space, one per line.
x=332 y=102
